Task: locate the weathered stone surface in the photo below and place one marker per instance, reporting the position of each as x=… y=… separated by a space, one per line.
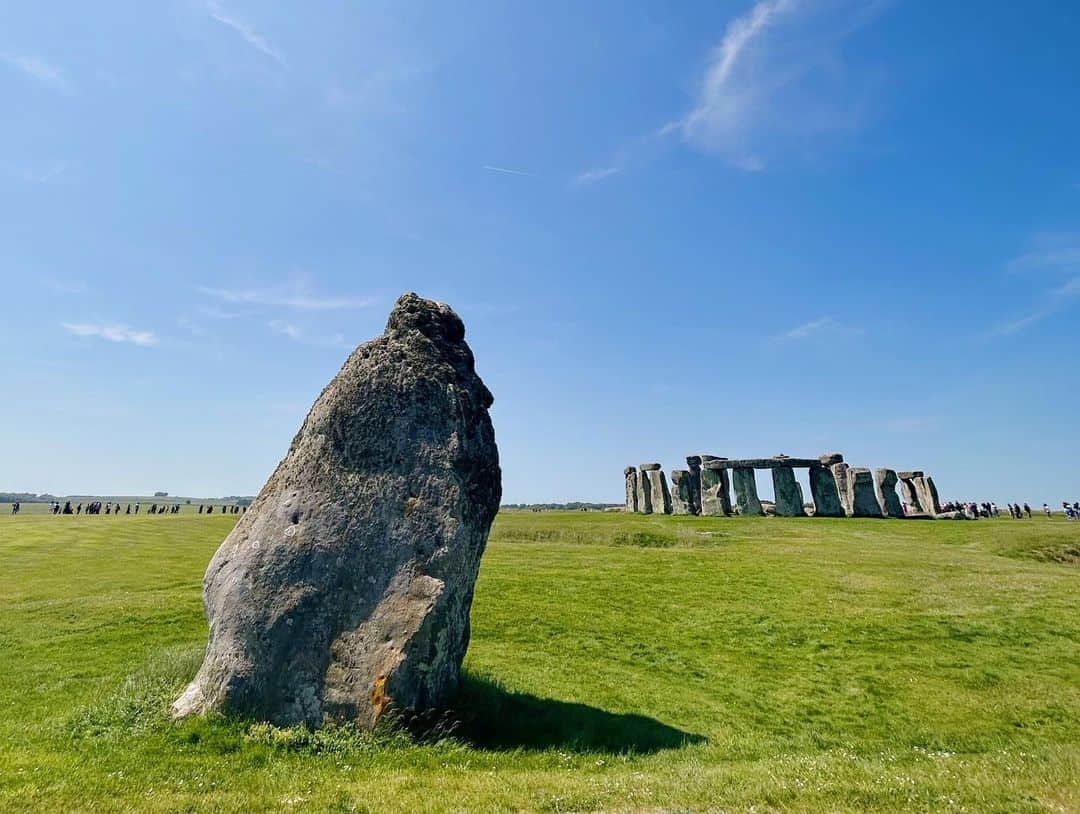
x=951 y=516
x=909 y=474
x=823 y=490
x=715 y=490
x=649 y=467
x=928 y=494
x=659 y=495
x=885 y=484
x=693 y=463
x=839 y=471
x=644 y=494
x=345 y=589
x=788 y=493
x=746 y=495
x=830 y=458
x=861 y=494
x=757 y=463
x=630 y=474
x=681 y=492
x=910 y=494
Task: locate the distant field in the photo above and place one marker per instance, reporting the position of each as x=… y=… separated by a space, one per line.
x=185 y=507
x=618 y=663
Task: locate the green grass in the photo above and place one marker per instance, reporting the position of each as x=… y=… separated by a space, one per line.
x=617 y=664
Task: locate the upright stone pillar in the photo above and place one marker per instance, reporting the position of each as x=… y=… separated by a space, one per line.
x=681 y=492
x=789 y=495
x=885 y=482
x=746 y=491
x=644 y=489
x=693 y=464
x=823 y=490
x=928 y=494
x=660 y=496
x=630 y=475
x=907 y=488
x=840 y=473
x=861 y=494
x=715 y=490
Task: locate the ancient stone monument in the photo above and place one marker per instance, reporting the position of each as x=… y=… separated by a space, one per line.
x=345 y=589
x=788 y=493
x=658 y=498
x=644 y=491
x=862 y=498
x=823 y=487
x=907 y=486
x=839 y=470
x=693 y=464
x=630 y=474
x=715 y=489
x=920 y=492
x=746 y=495
x=885 y=483
x=837 y=489
x=682 y=498
x=928 y=494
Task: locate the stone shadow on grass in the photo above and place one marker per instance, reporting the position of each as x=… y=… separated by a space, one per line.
x=488 y=716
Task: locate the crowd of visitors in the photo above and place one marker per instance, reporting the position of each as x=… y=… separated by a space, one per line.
x=1017 y=511
x=109 y=507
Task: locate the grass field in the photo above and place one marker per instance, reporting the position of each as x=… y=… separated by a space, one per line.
x=618 y=663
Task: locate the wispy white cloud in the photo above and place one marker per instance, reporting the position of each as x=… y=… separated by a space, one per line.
x=37 y=69
x=112 y=332
x=292 y=296
x=1069 y=289
x=285 y=328
x=1050 y=252
x=807 y=330
x=246 y=32
x=1013 y=326
x=297 y=334
x=489 y=168
x=775 y=82
x=596 y=175
x=214 y=312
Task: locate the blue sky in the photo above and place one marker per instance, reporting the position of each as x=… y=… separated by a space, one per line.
x=797 y=226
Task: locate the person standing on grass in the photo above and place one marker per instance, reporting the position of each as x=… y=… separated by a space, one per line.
x=15 y=507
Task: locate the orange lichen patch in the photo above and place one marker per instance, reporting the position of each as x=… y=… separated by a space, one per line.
x=380 y=701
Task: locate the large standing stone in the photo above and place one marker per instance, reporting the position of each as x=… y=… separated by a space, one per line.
x=885 y=481
x=681 y=492
x=746 y=491
x=823 y=490
x=840 y=471
x=630 y=475
x=715 y=489
x=861 y=495
x=345 y=589
x=693 y=463
x=659 y=495
x=788 y=493
x=928 y=494
x=644 y=493
x=911 y=494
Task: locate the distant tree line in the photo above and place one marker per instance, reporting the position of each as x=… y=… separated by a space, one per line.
x=561 y=507
x=26 y=497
